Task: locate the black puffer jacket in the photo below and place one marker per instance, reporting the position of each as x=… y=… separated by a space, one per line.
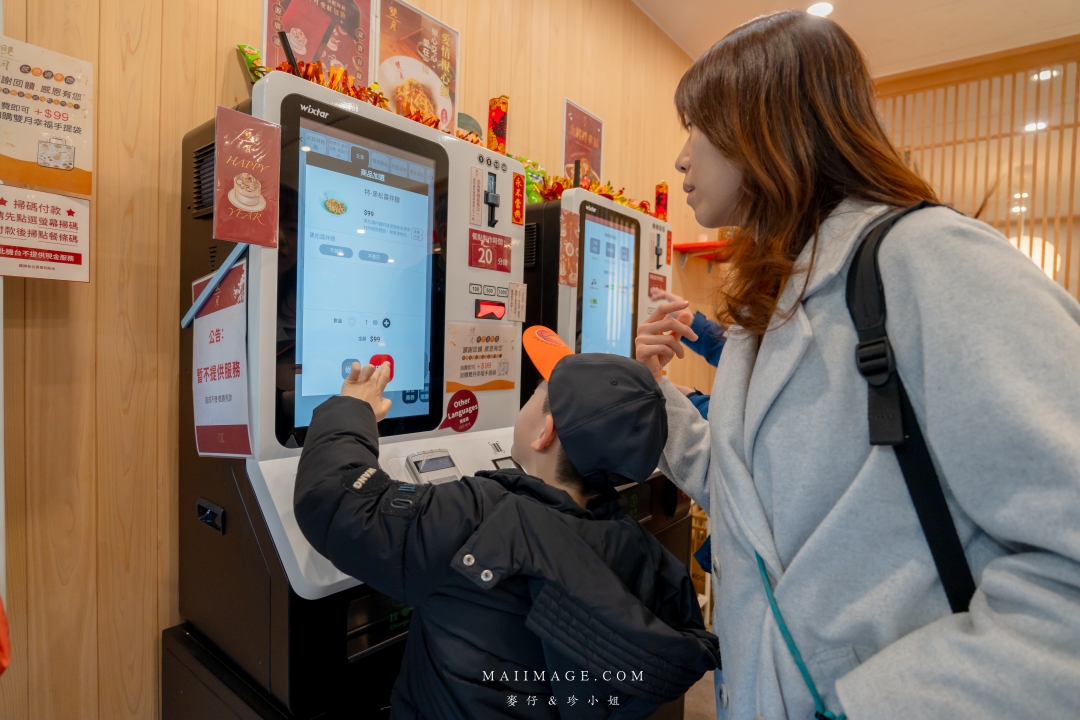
x=575 y=604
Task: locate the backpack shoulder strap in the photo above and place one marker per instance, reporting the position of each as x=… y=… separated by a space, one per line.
x=892 y=419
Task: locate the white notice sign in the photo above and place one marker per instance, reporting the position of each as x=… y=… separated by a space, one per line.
x=43 y=235
x=219 y=371
x=480 y=356
x=515 y=305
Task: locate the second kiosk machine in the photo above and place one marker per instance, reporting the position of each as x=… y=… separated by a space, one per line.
x=590 y=265
x=398 y=243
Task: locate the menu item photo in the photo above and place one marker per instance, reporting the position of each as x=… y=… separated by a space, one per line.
x=333 y=32
x=418 y=63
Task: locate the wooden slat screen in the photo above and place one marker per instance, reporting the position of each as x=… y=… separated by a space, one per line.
x=1002 y=147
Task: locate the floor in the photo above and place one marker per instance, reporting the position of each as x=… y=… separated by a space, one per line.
x=701 y=700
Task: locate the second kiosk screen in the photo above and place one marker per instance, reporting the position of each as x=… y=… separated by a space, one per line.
x=606 y=281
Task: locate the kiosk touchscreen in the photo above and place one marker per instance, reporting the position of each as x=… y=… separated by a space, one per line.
x=397 y=244
x=366 y=285
x=607 y=260
x=590 y=267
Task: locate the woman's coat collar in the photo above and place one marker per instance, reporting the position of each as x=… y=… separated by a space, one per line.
x=781 y=350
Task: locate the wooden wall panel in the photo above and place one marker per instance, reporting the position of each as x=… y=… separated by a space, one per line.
x=129 y=64
x=90 y=370
x=15 y=683
x=60 y=451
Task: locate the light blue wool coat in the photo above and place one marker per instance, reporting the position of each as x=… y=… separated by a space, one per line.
x=989 y=350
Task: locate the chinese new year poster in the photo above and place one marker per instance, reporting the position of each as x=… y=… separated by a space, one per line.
x=336 y=33
x=583 y=139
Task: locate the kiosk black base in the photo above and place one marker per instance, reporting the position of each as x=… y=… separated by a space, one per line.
x=198 y=683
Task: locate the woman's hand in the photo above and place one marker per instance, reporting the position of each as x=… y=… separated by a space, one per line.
x=367 y=384
x=658 y=294
x=659 y=338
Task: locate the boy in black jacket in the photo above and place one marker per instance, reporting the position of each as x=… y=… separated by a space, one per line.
x=525 y=604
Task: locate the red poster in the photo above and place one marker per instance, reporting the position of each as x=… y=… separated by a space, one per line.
x=583 y=139
x=568 y=248
x=247 y=165
x=489 y=251
x=668 y=261
x=518 y=210
x=461 y=411
x=334 y=32
x=657 y=282
x=418 y=63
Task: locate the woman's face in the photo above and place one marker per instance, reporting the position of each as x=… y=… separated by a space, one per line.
x=711 y=181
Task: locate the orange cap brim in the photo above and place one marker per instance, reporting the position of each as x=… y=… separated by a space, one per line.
x=545 y=348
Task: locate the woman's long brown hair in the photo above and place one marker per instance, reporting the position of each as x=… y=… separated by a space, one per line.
x=788 y=98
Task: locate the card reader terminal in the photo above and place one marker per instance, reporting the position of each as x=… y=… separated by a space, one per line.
x=433 y=466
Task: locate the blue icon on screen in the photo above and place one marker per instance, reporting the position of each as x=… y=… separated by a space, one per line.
x=624 y=254
x=346 y=367
x=610 y=251
x=594 y=246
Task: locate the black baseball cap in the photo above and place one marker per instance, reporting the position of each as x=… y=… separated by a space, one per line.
x=608 y=410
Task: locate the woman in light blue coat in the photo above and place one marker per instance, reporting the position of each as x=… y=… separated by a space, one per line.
x=828 y=602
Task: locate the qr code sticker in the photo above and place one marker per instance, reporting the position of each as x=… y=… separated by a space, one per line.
x=504 y=368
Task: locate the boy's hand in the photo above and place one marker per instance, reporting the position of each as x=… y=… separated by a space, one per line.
x=658 y=338
x=367 y=384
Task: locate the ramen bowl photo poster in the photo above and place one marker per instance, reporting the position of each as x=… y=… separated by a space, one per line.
x=418 y=63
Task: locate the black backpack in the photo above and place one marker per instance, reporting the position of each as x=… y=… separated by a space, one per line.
x=892 y=419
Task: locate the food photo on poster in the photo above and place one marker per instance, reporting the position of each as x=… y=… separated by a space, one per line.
x=46 y=119
x=336 y=33
x=418 y=63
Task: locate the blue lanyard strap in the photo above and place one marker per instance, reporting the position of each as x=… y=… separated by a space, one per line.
x=821 y=713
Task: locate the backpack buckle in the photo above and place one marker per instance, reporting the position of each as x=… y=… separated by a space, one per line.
x=874 y=359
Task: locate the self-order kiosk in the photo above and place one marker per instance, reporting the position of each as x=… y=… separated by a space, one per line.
x=590 y=265
x=398 y=243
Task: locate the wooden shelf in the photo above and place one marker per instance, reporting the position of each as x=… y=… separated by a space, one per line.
x=712 y=251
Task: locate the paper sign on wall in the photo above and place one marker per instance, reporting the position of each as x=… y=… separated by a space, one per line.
x=219 y=371
x=46 y=119
x=44 y=235
x=515 y=304
x=480 y=356
x=247 y=165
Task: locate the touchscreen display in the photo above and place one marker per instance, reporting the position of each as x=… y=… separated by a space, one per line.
x=365 y=212
x=608 y=255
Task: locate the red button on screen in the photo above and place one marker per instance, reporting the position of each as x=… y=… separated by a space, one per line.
x=490 y=309
x=378 y=360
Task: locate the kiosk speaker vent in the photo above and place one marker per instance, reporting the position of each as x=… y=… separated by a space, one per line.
x=202 y=195
x=532 y=244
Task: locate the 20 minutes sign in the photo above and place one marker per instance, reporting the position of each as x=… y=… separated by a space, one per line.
x=489 y=251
